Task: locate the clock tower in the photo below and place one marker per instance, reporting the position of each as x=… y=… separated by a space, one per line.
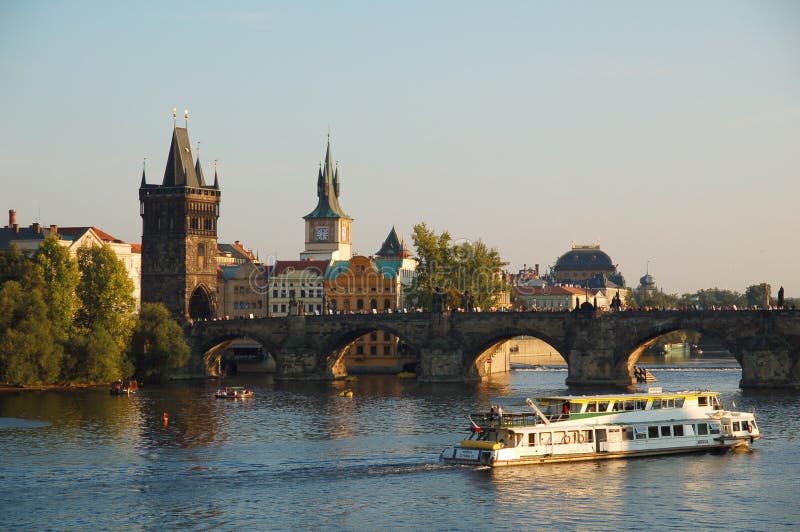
x=328 y=235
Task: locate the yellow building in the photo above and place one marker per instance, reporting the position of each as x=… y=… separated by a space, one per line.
x=365 y=285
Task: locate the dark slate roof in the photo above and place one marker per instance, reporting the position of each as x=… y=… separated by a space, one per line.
x=236 y=250
x=584 y=258
x=198 y=170
x=328 y=191
x=180 y=170
x=392 y=247
x=9 y=235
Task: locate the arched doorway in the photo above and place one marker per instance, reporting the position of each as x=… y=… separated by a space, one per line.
x=200 y=306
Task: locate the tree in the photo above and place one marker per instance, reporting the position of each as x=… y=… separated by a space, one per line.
x=106 y=312
x=105 y=293
x=28 y=354
x=758 y=295
x=61 y=279
x=451 y=270
x=157 y=344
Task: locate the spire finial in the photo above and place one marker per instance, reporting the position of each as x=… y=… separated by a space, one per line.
x=144 y=167
x=174 y=116
x=198 y=150
x=186 y=117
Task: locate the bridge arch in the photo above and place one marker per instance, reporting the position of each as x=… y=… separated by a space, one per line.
x=476 y=355
x=630 y=352
x=212 y=347
x=344 y=344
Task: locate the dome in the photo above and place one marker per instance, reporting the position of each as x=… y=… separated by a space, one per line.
x=648 y=281
x=584 y=258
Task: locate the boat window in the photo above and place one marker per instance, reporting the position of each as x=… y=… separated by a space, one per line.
x=677 y=430
x=616 y=406
x=714 y=428
x=702 y=429
x=627 y=434
x=656 y=404
x=665 y=430
x=668 y=403
x=689 y=430
x=558 y=436
x=592 y=406
x=588 y=436
x=641 y=432
x=702 y=400
x=532 y=439
x=679 y=402
x=641 y=404
x=602 y=406
x=652 y=431
x=546 y=438
x=735 y=426
x=629 y=404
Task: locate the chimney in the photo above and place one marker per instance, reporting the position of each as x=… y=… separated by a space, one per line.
x=54 y=229
x=36 y=227
x=12 y=218
x=536 y=269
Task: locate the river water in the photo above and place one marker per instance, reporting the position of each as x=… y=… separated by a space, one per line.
x=298 y=456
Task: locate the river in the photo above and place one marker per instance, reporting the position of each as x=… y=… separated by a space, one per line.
x=298 y=456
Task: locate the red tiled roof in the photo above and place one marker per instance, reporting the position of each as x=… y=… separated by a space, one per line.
x=136 y=248
x=316 y=266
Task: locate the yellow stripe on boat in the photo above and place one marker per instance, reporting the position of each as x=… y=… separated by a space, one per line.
x=472 y=444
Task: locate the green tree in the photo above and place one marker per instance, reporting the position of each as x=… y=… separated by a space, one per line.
x=453 y=269
x=106 y=311
x=61 y=279
x=28 y=354
x=157 y=344
x=758 y=295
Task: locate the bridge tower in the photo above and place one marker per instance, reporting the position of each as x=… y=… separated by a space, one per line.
x=179 y=235
x=328 y=235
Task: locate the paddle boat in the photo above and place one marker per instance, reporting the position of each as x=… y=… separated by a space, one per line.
x=233 y=392
x=126 y=387
x=569 y=428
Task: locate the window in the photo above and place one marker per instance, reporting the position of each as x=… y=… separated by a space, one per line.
x=665 y=430
x=652 y=431
x=702 y=400
x=532 y=439
x=591 y=406
x=373 y=304
x=386 y=336
x=602 y=406
x=283 y=307
x=373 y=336
x=274 y=293
x=387 y=350
x=702 y=429
x=641 y=432
x=302 y=293
x=714 y=428
x=677 y=430
x=736 y=426
x=373 y=350
x=274 y=308
x=588 y=436
x=360 y=350
x=387 y=304
x=641 y=404
x=360 y=304
x=656 y=404
x=627 y=434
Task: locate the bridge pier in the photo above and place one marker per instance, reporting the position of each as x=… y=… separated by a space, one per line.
x=770 y=367
x=443 y=364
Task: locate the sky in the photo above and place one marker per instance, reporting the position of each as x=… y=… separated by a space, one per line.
x=669 y=132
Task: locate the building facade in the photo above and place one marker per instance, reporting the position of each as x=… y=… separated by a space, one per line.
x=557 y=298
x=179 y=235
x=296 y=286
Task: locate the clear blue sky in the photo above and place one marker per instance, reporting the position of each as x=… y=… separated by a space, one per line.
x=668 y=132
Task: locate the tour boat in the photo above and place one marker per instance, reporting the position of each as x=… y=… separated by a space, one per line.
x=127 y=387
x=233 y=392
x=570 y=428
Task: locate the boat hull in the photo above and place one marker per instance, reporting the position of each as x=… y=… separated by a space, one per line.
x=475 y=457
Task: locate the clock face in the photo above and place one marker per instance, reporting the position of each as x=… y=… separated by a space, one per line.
x=322 y=233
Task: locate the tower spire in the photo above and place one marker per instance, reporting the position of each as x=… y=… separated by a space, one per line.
x=144 y=165
x=216 y=178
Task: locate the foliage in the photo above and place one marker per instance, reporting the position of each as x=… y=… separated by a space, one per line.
x=157 y=344
x=61 y=278
x=452 y=269
x=758 y=295
x=28 y=354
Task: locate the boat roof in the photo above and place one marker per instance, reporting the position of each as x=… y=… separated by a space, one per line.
x=650 y=393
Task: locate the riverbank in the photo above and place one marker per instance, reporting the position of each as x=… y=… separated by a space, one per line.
x=44 y=387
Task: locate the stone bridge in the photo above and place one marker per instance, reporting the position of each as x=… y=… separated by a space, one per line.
x=600 y=348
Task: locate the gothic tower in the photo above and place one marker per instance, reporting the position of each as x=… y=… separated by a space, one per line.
x=328 y=233
x=179 y=235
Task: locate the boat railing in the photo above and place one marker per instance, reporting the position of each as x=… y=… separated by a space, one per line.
x=524 y=419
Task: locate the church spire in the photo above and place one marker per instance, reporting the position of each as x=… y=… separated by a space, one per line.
x=328 y=189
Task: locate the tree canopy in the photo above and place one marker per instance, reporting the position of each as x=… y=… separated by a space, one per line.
x=462 y=272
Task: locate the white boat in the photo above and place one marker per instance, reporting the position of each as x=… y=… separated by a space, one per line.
x=570 y=428
x=233 y=392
